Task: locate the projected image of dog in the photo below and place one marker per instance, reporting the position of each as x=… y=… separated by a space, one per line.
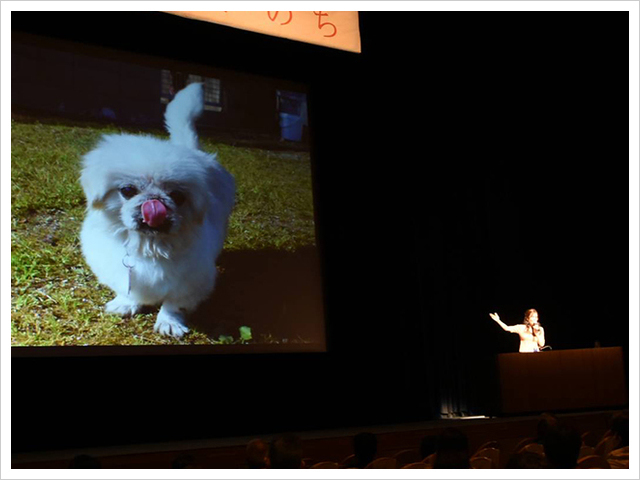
x=157 y=214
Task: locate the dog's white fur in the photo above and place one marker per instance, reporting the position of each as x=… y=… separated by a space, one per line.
x=173 y=266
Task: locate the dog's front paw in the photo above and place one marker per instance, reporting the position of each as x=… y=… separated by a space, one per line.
x=123 y=306
x=170 y=323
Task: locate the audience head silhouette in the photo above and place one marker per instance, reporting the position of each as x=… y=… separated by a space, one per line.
x=365 y=448
x=428 y=445
x=618 y=457
x=184 y=460
x=285 y=451
x=257 y=454
x=620 y=428
x=452 y=450
x=547 y=421
x=562 y=446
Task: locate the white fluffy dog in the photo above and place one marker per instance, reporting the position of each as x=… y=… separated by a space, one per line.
x=157 y=214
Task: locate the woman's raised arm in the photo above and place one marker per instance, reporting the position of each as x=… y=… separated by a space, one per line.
x=507 y=328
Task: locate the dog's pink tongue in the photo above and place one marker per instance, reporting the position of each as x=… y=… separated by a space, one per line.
x=154 y=213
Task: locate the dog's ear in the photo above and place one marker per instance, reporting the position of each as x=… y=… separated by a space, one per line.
x=94 y=179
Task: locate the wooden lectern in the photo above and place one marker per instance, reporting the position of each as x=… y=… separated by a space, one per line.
x=562 y=380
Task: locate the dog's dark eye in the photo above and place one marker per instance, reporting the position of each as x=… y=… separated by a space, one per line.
x=178 y=197
x=128 y=191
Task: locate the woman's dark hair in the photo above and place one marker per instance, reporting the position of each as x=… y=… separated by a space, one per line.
x=527 y=315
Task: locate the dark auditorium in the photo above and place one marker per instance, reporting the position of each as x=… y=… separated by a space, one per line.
x=321 y=240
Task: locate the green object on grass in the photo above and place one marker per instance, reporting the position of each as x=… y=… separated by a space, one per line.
x=245 y=334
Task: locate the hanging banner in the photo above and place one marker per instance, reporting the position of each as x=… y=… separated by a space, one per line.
x=330 y=29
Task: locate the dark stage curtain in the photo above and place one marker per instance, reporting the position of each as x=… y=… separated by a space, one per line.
x=468 y=253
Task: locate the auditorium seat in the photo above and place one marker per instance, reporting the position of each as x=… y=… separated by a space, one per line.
x=593 y=461
x=430 y=459
x=383 y=462
x=491 y=453
x=586 y=450
x=417 y=465
x=490 y=444
x=404 y=457
x=326 y=465
x=481 y=462
x=533 y=448
x=348 y=461
x=590 y=438
x=307 y=462
x=606 y=445
x=523 y=443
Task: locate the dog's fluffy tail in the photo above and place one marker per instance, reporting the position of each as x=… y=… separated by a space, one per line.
x=182 y=113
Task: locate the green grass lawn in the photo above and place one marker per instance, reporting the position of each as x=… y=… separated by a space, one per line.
x=56 y=300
